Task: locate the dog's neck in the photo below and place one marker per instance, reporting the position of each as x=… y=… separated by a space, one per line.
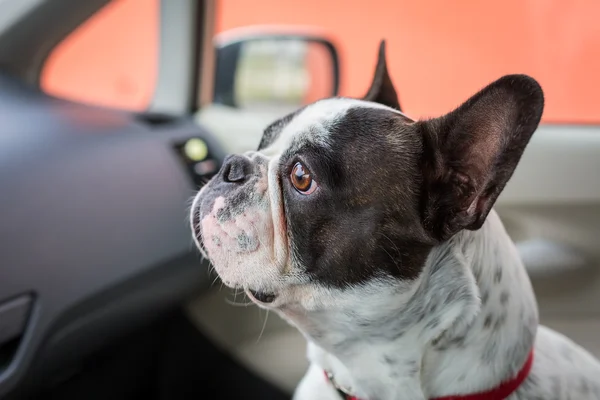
x=467 y=325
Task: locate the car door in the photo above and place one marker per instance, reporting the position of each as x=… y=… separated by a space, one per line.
x=94 y=238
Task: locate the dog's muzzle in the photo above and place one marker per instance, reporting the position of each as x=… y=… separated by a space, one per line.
x=232 y=221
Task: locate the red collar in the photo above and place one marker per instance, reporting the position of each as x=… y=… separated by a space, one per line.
x=500 y=392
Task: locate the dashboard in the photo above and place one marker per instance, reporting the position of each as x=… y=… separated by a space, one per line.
x=94 y=234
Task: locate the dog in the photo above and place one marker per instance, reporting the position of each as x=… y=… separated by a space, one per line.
x=375 y=236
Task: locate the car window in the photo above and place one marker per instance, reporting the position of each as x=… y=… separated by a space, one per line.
x=110 y=60
x=437 y=61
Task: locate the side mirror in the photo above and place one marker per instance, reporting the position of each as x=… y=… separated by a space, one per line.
x=258 y=70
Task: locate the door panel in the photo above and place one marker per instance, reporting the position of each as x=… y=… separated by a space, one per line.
x=553 y=199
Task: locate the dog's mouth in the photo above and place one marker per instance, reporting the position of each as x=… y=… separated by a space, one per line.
x=260 y=297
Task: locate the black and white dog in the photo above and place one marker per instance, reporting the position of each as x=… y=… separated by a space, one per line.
x=374 y=235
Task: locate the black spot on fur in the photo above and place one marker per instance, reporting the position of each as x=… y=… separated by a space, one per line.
x=499 y=322
x=413 y=367
x=504 y=296
x=390 y=360
x=487 y=322
x=235 y=205
x=498 y=275
x=432 y=323
x=490 y=353
x=484 y=297
x=458 y=341
x=245 y=242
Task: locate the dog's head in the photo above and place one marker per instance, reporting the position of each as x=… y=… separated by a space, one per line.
x=345 y=191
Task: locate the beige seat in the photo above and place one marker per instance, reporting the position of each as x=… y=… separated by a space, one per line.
x=262 y=341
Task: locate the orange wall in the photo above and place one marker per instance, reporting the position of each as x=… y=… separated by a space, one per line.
x=111 y=59
x=439 y=52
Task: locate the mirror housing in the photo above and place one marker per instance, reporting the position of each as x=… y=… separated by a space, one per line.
x=266 y=67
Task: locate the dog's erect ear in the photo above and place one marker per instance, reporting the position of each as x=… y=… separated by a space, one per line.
x=382 y=89
x=470 y=153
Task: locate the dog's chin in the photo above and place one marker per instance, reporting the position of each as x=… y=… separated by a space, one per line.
x=262 y=298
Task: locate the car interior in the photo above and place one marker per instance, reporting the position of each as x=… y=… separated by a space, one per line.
x=102 y=291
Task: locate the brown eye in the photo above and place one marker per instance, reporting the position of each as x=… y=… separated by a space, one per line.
x=302 y=180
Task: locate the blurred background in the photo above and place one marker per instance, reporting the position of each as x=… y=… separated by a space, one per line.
x=439 y=52
x=114 y=113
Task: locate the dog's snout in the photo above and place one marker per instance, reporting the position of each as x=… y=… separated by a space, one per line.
x=236 y=169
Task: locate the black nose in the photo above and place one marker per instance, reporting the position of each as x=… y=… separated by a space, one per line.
x=235 y=169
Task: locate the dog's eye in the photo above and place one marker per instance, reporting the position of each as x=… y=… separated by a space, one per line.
x=302 y=180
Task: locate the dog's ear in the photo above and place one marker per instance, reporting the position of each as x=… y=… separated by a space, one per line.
x=470 y=153
x=382 y=89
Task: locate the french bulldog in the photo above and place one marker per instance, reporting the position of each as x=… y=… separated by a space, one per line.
x=374 y=235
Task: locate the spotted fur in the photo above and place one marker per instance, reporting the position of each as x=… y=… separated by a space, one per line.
x=396 y=269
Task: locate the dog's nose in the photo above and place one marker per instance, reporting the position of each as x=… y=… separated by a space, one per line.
x=236 y=168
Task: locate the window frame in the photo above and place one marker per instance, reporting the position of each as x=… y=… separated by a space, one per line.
x=184 y=66
x=186 y=28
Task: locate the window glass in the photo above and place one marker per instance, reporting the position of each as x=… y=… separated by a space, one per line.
x=110 y=60
x=441 y=52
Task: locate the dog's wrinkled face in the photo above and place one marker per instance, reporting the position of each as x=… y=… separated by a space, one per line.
x=344 y=192
x=330 y=199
